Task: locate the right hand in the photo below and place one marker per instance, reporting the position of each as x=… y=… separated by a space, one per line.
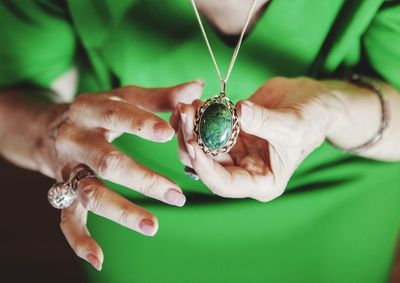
x=80 y=134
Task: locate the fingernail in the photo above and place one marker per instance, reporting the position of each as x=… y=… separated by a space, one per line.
x=163 y=131
x=147 y=226
x=175 y=197
x=94 y=261
x=246 y=111
x=190 y=150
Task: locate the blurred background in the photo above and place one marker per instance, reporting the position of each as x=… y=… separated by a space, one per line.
x=32 y=247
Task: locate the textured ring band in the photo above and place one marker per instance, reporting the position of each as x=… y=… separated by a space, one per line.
x=82 y=173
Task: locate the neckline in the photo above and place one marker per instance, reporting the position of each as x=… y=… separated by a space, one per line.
x=107 y=14
x=231 y=39
x=217 y=42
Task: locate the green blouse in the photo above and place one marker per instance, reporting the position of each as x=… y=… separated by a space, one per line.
x=339 y=218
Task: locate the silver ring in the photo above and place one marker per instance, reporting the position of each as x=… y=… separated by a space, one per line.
x=82 y=172
x=191 y=173
x=63 y=194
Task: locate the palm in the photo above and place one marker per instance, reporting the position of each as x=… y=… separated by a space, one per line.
x=250 y=153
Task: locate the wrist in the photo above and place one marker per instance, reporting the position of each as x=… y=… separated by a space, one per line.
x=336 y=110
x=23 y=127
x=354 y=111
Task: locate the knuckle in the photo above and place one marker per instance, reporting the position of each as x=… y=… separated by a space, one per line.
x=107 y=162
x=124 y=217
x=111 y=113
x=80 y=102
x=150 y=183
x=64 y=136
x=92 y=197
x=64 y=132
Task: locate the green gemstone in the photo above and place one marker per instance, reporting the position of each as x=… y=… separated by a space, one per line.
x=216 y=126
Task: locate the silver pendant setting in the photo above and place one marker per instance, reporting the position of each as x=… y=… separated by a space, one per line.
x=216 y=125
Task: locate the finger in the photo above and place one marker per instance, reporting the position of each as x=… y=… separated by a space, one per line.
x=232 y=181
x=175 y=117
x=120 y=117
x=96 y=197
x=90 y=148
x=175 y=121
x=219 y=179
x=182 y=151
x=203 y=164
x=187 y=116
x=161 y=99
x=269 y=124
x=187 y=113
x=73 y=226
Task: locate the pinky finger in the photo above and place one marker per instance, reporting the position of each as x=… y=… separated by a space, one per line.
x=73 y=226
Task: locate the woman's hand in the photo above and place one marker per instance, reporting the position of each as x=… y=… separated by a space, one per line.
x=79 y=133
x=282 y=123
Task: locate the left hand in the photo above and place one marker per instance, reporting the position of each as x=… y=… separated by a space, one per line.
x=282 y=123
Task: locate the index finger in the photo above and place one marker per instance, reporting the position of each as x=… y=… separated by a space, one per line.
x=163 y=99
x=94 y=111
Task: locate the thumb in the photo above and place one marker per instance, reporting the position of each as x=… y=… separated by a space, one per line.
x=268 y=124
x=163 y=99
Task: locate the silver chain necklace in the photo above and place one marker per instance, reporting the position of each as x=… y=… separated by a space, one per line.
x=216 y=124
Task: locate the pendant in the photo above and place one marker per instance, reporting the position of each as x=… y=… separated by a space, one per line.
x=216 y=125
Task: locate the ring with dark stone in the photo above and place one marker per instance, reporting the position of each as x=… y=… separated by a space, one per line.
x=191 y=173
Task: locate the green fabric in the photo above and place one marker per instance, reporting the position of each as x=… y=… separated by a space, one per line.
x=339 y=218
x=35 y=46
